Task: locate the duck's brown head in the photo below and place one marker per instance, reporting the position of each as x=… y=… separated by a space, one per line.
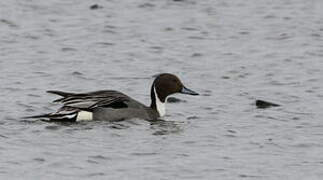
x=164 y=85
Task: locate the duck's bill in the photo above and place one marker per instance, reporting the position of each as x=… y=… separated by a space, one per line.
x=188 y=91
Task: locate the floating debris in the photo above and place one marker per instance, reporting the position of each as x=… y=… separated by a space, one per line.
x=265 y=104
x=196 y=55
x=76 y=73
x=95 y=6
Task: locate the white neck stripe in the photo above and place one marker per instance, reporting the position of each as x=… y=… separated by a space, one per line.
x=160 y=106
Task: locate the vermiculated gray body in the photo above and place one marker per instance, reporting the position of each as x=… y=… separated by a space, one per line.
x=110 y=114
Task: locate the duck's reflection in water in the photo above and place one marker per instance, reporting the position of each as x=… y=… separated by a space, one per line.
x=163 y=127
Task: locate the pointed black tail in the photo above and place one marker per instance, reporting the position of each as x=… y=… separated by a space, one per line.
x=38 y=116
x=60 y=93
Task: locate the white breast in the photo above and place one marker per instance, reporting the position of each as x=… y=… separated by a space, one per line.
x=160 y=105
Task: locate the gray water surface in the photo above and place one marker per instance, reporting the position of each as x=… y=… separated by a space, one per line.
x=231 y=52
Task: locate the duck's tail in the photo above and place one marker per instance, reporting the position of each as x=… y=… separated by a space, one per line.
x=60 y=93
x=38 y=116
x=55 y=116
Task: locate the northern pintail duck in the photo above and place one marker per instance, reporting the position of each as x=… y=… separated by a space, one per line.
x=113 y=105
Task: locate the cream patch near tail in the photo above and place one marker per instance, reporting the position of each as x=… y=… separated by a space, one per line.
x=84 y=116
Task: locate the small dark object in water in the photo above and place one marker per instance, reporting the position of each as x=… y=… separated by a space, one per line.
x=77 y=73
x=95 y=6
x=264 y=104
x=174 y=100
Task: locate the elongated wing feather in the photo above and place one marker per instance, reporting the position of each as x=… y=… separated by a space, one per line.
x=88 y=101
